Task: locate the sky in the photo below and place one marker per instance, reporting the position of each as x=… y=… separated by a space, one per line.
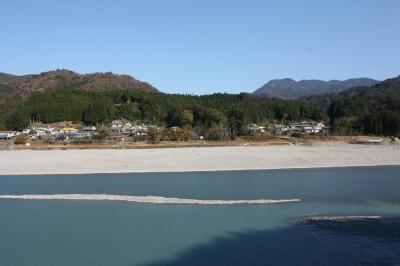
x=204 y=46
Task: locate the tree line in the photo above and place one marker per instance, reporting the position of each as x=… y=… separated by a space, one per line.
x=230 y=112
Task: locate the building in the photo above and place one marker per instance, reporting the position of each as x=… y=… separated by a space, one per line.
x=280 y=129
x=307 y=127
x=89 y=128
x=116 y=125
x=4 y=135
x=68 y=130
x=253 y=128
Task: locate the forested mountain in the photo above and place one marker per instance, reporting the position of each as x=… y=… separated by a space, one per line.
x=291 y=89
x=374 y=110
x=24 y=86
x=323 y=101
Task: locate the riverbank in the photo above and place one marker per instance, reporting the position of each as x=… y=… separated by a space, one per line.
x=123 y=144
x=312 y=155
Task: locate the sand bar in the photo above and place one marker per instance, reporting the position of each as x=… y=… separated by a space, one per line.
x=20 y=162
x=144 y=199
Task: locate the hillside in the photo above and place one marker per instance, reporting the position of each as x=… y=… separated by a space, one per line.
x=388 y=88
x=323 y=101
x=24 y=86
x=374 y=110
x=291 y=89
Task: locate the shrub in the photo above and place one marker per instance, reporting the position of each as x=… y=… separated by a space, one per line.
x=21 y=140
x=99 y=136
x=154 y=136
x=183 y=134
x=49 y=140
x=103 y=134
x=296 y=135
x=216 y=134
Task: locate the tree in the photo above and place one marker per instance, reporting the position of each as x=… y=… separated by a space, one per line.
x=17 y=121
x=348 y=126
x=129 y=111
x=154 y=136
x=186 y=118
x=98 y=112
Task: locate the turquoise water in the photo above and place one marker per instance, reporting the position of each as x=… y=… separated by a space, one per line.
x=117 y=233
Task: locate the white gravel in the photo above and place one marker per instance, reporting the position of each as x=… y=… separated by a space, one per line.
x=24 y=162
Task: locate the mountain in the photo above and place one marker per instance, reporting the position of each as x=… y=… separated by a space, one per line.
x=24 y=86
x=291 y=89
x=374 y=110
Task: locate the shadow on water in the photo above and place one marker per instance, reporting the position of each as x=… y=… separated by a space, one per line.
x=351 y=242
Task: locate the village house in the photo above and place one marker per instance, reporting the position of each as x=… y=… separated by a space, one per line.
x=127 y=128
x=253 y=128
x=36 y=133
x=320 y=128
x=280 y=129
x=116 y=125
x=89 y=128
x=307 y=127
x=4 y=135
x=55 y=133
x=68 y=130
x=140 y=130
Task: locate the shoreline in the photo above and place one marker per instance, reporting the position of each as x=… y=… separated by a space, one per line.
x=237 y=158
x=203 y=170
x=147 y=145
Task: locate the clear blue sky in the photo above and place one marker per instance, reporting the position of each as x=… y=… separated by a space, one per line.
x=203 y=46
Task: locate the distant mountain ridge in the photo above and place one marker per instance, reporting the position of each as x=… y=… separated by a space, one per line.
x=291 y=89
x=389 y=88
x=24 y=86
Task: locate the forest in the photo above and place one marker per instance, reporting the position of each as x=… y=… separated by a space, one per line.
x=228 y=111
x=369 y=111
x=374 y=110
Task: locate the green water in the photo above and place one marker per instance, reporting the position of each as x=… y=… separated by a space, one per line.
x=117 y=233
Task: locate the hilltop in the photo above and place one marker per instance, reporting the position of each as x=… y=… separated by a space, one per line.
x=24 y=86
x=291 y=89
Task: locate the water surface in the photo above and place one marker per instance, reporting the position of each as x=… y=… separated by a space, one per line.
x=118 y=233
